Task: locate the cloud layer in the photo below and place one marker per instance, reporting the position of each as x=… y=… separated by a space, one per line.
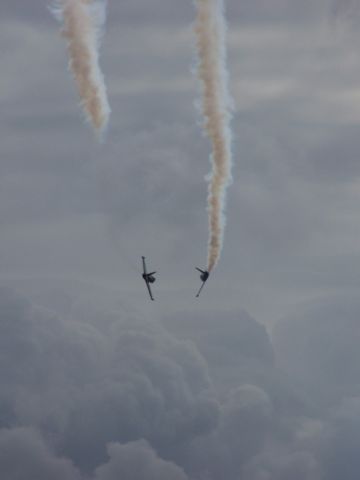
x=188 y=399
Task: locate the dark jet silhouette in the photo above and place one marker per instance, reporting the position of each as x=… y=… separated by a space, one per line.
x=204 y=275
x=148 y=277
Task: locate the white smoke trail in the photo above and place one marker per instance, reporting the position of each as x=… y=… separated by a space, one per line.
x=83 y=22
x=210 y=30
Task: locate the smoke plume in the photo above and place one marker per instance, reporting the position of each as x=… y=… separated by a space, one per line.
x=210 y=29
x=83 y=21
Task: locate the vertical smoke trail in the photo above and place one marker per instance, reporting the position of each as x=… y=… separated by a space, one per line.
x=82 y=22
x=210 y=29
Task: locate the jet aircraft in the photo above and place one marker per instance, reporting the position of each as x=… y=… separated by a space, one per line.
x=204 y=275
x=148 y=277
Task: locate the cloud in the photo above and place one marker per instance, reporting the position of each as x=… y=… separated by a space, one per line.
x=346 y=9
x=24 y=455
x=104 y=395
x=318 y=347
x=89 y=387
x=236 y=347
x=138 y=460
x=258 y=408
x=241 y=432
x=272 y=466
x=341 y=455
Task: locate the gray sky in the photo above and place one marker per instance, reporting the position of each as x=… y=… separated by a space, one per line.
x=101 y=382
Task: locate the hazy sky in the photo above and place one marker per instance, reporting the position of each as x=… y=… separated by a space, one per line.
x=259 y=378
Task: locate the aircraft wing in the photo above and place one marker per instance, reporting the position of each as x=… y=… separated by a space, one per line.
x=149 y=288
x=202 y=286
x=144 y=265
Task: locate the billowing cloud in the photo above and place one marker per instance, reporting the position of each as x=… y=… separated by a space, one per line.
x=223 y=339
x=272 y=466
x=137 y=459
x=103 y=397
x=89 y=387
x=25 y=455
x=340 y=457
x=318 y=347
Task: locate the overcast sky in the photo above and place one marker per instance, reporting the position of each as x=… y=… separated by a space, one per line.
x=259 y=378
